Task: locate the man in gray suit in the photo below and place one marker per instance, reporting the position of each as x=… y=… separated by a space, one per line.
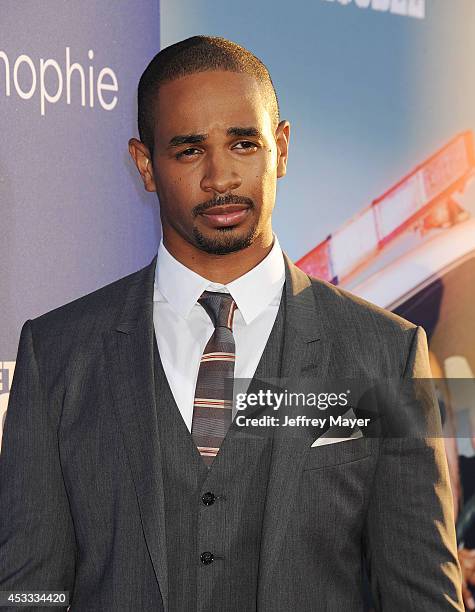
x=123 y=479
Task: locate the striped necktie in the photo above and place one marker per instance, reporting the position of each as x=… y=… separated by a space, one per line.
x=212 y=409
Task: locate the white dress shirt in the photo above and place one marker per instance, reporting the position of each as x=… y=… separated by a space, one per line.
x=183 y=328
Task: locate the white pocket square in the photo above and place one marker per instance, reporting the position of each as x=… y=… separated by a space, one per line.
x=331 y=435
x=323 y=440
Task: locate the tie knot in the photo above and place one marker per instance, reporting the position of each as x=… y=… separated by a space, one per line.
x=220 y=308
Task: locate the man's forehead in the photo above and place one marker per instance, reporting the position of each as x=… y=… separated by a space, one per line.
x=213 y=95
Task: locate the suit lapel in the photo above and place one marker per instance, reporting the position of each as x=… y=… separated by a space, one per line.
x=129 y=360
x=306 y=354
x=303 y=339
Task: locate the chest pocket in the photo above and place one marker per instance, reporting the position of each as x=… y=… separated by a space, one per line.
x=339 y=453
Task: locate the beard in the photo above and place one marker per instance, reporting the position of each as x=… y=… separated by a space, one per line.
x=225 y=240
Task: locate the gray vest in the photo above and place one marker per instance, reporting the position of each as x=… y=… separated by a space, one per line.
x=214 y=516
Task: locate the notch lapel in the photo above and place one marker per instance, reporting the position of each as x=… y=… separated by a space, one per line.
x=303 y=330
x=306 y=354
x=129 y=360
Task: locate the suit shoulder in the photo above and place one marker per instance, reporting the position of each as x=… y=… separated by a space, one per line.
x=99 y=306
x=380 y=339
x=351 y=309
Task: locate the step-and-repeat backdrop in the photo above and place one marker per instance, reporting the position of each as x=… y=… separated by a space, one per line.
x=73 y=216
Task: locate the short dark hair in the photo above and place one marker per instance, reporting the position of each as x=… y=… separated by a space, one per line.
x=197 y=54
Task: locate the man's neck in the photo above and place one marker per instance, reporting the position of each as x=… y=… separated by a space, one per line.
x=221 y=269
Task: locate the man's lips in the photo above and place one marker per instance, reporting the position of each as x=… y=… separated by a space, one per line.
x=225 y=216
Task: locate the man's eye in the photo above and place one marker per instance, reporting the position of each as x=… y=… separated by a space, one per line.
x=251 y=145
x=185 y=153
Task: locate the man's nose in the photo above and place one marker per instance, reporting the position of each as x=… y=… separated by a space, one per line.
x=220 y=176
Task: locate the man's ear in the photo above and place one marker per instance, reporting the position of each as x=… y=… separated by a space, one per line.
x=282 y=135
x=142 y=159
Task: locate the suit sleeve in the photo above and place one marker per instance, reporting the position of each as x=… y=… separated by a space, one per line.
x=410 y=544
x=37 y=541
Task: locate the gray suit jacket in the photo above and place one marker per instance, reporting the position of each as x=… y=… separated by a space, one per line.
x=81 y=498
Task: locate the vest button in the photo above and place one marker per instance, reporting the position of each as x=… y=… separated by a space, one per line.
x=208 y=498
x=207 y=558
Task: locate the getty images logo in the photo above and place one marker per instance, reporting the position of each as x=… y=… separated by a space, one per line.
x=50 y=82
x=406 y=8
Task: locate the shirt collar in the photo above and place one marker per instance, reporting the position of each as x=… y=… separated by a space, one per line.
x=181 y=287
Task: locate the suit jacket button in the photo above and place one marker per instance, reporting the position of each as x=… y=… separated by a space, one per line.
x=207 y=558
x=208 y=499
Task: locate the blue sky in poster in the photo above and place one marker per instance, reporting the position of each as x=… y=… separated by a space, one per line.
x=369 y=94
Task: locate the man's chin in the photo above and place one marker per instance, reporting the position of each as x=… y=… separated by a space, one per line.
x=224 y=240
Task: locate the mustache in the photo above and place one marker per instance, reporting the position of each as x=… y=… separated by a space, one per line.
x=221 y=201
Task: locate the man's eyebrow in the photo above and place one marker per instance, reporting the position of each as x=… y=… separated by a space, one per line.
x=250 y=132
x=176 y=141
